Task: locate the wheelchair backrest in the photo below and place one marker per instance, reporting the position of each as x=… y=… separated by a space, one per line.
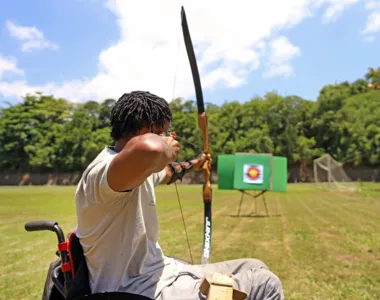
x=80 y=284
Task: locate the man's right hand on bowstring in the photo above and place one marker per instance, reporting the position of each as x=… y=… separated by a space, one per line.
x=173 y=145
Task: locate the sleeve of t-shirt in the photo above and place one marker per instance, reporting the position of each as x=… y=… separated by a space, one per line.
x=158 y=177
x=102 y=191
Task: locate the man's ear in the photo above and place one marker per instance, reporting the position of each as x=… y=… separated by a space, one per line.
x=152 y=128
x=144 y=130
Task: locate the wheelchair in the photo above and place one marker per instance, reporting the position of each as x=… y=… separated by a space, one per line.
x=68 y=277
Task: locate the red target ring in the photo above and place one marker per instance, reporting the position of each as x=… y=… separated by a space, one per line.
x=253 y=173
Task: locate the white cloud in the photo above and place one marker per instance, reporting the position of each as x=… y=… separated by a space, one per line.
x=282 y=51
x=373 y=22
x=372 y=4
x=9 y=66
x=280 y=70
x=30 y=37
x=227 y=43
x=15 y=88
x=230 y=42
x=72 y=90
x=335 y=8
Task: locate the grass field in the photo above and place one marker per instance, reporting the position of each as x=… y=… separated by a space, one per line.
x=322 y=245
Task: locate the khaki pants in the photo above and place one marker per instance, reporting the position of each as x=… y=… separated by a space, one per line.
x=251 y=276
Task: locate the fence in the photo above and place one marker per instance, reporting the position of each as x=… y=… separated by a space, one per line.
x=295 y=174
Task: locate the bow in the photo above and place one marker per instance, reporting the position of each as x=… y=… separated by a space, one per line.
x=202 y=124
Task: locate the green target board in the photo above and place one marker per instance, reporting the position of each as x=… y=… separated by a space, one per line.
x=252 y=171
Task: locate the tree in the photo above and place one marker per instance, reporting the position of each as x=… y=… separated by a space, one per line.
x=361 y=126
x=373 y=75
x=28 y=132
x=105 y=112
x=44 y=134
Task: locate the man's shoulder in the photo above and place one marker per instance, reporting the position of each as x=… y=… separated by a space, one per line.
x=94 y=183
x=104 y=156
x=97 y=168
x=100 y=161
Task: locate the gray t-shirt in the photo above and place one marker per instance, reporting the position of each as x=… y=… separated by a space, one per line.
x=119 y=233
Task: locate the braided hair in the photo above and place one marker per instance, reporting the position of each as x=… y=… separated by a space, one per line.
x=136 y=110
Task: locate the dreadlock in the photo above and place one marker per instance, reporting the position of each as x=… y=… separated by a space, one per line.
x=136 y=110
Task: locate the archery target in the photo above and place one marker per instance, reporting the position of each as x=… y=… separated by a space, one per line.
x=253 y=173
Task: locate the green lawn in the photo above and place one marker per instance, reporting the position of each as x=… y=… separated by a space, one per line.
x=322 y=245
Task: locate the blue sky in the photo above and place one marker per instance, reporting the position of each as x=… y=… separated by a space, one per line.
x=81 y=30
x=92 y=49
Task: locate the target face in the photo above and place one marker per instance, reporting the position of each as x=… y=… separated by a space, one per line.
x=253 y=173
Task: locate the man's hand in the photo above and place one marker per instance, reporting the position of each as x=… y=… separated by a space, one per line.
x=197 y=165
x=201 y=160
x=173 y=146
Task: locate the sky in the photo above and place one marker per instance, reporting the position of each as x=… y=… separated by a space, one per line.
x=93 y=50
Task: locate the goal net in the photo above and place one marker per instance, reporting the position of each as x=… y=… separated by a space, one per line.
x=329 y=174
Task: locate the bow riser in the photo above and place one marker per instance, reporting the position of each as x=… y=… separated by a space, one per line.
x=202 y=123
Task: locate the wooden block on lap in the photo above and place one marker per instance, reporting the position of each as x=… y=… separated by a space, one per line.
x=220 y=288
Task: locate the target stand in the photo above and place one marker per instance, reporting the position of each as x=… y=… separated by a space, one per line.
x=262 y=194
x=246 y=172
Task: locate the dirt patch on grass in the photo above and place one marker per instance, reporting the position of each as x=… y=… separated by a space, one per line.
x=333 y=236
x=284 y=224
x=347 y=257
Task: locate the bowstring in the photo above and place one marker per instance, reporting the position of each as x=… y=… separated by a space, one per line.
x=175 y=184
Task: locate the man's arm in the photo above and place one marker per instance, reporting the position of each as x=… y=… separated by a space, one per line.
x=182 y=168
x=179 y=168
x=141 y=156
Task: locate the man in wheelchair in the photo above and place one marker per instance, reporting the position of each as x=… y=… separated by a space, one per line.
x=117 y=220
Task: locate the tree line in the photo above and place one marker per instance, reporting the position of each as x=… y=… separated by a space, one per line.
x=47 y=134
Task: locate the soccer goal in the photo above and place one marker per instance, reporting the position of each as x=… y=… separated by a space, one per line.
x=329 y=174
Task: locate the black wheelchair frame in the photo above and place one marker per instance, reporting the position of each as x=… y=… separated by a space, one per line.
x=67 y=277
